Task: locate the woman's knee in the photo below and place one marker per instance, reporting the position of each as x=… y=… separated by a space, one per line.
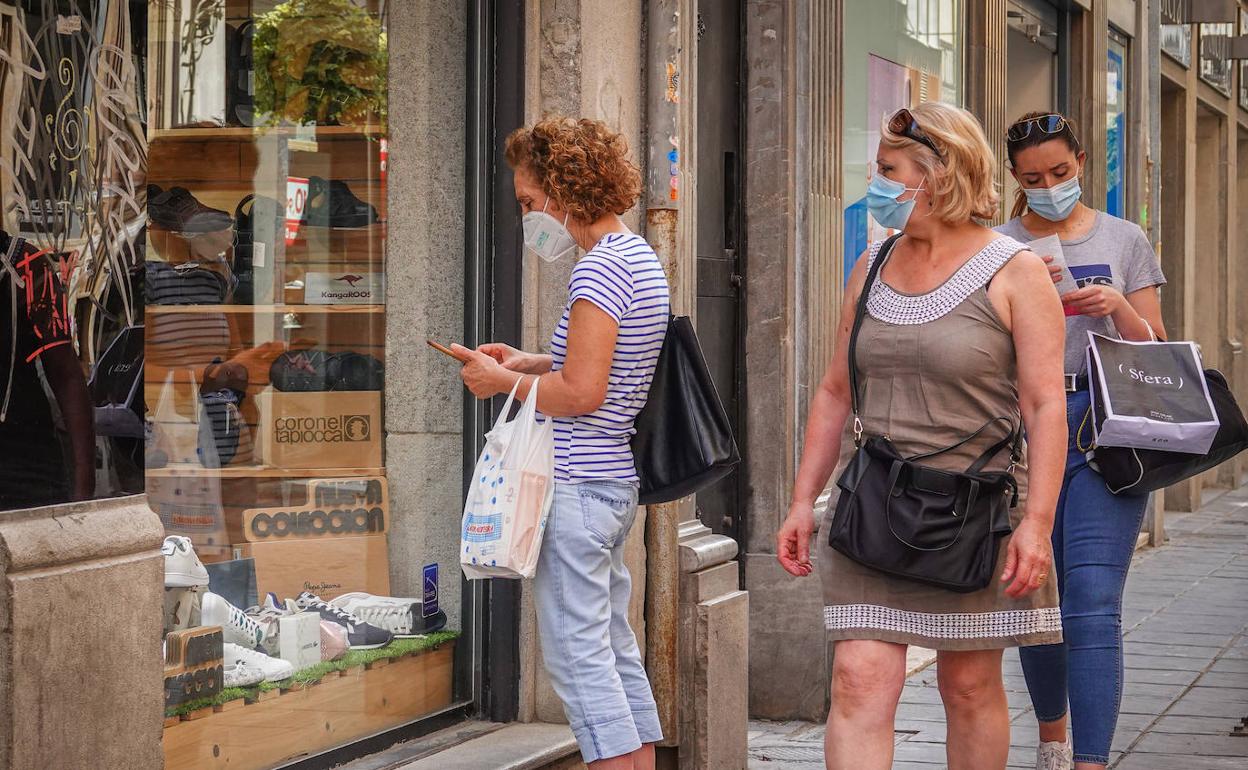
x=867 y=676
x=970 y=683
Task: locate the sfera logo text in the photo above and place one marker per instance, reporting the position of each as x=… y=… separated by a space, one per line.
x=1139 y=375
x=322 y=430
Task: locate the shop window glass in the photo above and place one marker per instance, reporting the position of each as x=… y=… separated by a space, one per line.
x=900 y=54
x=1215 y=60
x=1116 y=126
x=192 y=277
x=72 y=149
x=1243 y=65
x=265 y=287
x=1176 y=37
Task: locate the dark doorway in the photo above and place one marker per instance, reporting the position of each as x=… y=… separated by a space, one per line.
x=719 y=246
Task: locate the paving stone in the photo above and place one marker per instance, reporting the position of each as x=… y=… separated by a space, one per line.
x=1164 y=662
x=1196 y=725
x=1193 y=745
x=1160 y=676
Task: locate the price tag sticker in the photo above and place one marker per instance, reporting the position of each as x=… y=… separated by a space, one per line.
x=296 y=204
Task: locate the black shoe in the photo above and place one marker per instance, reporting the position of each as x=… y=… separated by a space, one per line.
x=257 y=219
x=332 y=204
x=177 y=210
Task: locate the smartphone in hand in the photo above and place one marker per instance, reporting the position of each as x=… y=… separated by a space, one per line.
x=445 y=351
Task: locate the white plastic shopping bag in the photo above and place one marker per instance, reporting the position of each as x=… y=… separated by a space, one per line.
x=510 y=495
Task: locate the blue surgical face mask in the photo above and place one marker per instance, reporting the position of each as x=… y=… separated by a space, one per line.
x=882 y=203
x=1054 y=203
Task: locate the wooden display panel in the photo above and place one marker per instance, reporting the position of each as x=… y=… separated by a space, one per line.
x=303 y=722
x=328 y=568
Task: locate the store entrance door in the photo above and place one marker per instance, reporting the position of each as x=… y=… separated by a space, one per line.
x=1031 y=66
x=719 y=227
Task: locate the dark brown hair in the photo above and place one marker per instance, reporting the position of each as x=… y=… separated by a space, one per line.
x=1035 y=139
x=582 y=164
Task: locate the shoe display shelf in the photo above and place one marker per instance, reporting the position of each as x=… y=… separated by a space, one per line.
x=364 y=693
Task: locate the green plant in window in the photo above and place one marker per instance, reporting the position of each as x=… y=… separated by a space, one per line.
x=320 y=61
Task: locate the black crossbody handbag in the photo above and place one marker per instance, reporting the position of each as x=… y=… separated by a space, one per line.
x=913 y=521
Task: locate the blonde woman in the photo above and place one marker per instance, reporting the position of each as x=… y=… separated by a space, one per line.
x=962 y=326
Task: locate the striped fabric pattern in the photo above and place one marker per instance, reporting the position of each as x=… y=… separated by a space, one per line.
x=623 y=277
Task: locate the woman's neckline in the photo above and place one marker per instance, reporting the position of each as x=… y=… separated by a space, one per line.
x=943 y=283
x=1098 y=218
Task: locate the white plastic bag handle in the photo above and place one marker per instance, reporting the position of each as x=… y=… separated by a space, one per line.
x=522 y=435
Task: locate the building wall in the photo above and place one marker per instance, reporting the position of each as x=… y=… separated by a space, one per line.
x=425 y=294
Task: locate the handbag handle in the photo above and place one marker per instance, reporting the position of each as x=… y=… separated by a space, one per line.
x=893 y=478
x=861 y=311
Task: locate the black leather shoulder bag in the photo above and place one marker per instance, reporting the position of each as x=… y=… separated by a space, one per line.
x=913 y=521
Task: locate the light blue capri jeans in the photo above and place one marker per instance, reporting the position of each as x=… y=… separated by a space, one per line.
x=582 y=590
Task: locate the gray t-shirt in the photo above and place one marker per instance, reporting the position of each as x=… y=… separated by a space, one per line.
x=1115 y=253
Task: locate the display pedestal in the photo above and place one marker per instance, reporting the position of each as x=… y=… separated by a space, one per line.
x=276 y=728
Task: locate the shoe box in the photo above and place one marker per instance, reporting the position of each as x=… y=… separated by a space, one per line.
x=320 y=430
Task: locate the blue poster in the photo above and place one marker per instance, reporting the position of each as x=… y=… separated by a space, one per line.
x=1115 y=135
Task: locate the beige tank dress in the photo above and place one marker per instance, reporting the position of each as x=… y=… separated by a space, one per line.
x=933 y=368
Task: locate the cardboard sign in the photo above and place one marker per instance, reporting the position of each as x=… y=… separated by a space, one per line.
x=320 y=430
x=429 y=602
x=335 y=508
x=296 y=203
x=344 y=287
x=194 y=664
x=1051 y=246
x=327 y=567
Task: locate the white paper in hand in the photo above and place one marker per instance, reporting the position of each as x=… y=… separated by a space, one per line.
x=1051 y=246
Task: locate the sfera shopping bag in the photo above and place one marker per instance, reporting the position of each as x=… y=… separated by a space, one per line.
x=510 y=495
x=1150 y=395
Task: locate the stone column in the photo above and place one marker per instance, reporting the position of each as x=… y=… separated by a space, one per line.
x=986 y=31
x=81 y=671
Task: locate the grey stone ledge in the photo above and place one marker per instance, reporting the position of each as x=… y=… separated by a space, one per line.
x=76 y=532
x=514 y=747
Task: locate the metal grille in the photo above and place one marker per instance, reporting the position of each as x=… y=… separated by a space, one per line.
x=823 y=298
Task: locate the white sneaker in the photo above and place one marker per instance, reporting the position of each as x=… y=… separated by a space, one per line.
x=1054 y=755
x=240 y=673
x=183 y=569
x=271 y=669
x=236 y=627
x=400 y=616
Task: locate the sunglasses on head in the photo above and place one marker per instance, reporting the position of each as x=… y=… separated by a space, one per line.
x=902 y=123
x=1047 y=124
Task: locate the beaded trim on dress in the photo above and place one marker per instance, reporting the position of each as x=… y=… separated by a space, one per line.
x=949 y=625
x=890 y=306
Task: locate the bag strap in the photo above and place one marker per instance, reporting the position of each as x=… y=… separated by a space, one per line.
x=1013 y=439
x=872 y=273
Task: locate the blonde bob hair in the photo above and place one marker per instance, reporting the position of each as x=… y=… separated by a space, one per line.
x=962 y=183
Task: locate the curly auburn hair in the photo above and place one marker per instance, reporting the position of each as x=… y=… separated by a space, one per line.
x=582 y=164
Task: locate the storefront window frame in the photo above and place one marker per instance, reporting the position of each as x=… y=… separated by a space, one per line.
x=1175 y=39
x=1243 y=65
x=1218 y=35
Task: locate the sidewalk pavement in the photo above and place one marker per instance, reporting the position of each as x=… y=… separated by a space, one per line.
x=1185 y=701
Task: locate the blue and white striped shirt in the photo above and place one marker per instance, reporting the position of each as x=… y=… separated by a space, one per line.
x=623 y=277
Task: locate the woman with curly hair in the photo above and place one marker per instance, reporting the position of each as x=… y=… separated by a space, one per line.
x=573 y=180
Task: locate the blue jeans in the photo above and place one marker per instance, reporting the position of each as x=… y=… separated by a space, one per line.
x=1094 y=536
x=581 y=590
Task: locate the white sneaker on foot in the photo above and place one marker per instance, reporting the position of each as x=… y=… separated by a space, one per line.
x=1054 y=755
x=273 y=669
x=236 y=627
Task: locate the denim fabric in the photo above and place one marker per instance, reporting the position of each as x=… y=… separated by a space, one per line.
x=582 y=589
x=1094 y=536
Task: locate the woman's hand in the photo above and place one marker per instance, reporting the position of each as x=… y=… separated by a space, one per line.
x=482 y=374
x=1055 y=271
x=1095 y=301
x=1029 y=557
x=793 y=540
x=511 y=359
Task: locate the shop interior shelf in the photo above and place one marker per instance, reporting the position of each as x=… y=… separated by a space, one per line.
x=194 y=134
x=253 y=309
x=182 y=470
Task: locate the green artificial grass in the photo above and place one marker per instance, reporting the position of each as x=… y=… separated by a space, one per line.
x=313 y=674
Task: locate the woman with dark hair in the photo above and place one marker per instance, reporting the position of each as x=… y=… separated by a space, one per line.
x=1118 y=278
x=573 y=180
